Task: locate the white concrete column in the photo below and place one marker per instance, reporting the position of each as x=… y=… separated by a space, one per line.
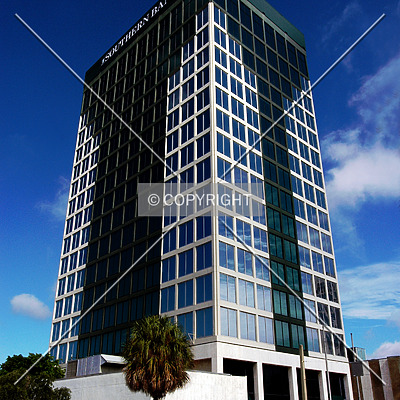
x=323 y=385
x=385 y=374
x=294 y=391
x=217 y=365
x=258 y=381
x=347 y=386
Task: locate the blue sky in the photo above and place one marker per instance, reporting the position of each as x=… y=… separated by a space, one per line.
x=358 y=117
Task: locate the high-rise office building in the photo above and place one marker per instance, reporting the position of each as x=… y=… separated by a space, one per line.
x=200 y=83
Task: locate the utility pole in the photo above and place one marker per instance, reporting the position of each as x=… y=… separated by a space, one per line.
x=328 y=381
x=303 y=374
x=355 y=360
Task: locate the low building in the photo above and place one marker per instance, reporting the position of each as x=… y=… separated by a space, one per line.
x=366 y=386
x=101 y=377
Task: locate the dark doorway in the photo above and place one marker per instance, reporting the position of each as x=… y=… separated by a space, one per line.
x=337 y=386
x=276 y=382
x=241 y=368
x=312 y=383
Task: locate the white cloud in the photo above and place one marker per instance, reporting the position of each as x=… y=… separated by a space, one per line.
x=378 y=101
x=29 y=305
x=394 y=318
x=387 y=349
x=57 y=208
x=365 y=157
x=371 y=292
x=362 y=173
x=336 y=24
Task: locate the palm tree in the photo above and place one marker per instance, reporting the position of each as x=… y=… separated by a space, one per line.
x=158 y=354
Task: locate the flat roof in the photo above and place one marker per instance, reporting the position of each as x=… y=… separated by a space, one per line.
x=162 y=5
x=280 y=21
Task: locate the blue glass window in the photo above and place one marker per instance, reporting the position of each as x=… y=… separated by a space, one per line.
x=169 y=241
x=237 y=108
x=245 y=262
x=221 y=77
x=252 y=118
x=323 y=220
x=222 y=99
x=223 y=145
x=219 y=37
x=219 y=17
x=168 y=269
x=250 y=78
x=299 y=208
x=226 y=256
x=204 y=322
x=235 y=67
x=266 y=330
x=236 y=87
x=187 y=155
x=247 y=326
x=225 y=225
x=262 y=268
x=203 y=121
x=203 y=226
x=172 y=141
x=204 y=256
x=222 y=121
x=228 y=322
x=187 y=90
x=227 y=288
x=202 y=38
x=186 y=263
x=203 y=78
x=306 y=283
x=203 y=170
x=243 y=230
x=168 y=299
x=260 y=239
x=317 y=262
x=241 y=178
x=188 y=69
x=203 y=99
x=203 y=145
x=185 y=321
x=251 y=97
x=185 y=294
x=326 y=243
x=234 y=48
x=304 y=255
x=220 y=57
x=204 y=288
x=264 y=298
x=238 y=130
x=239 y=153
x=56 y=332
x=246 y=293
x=224 y=171
x=187 y=109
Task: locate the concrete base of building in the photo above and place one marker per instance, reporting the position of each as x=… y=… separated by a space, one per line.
x=202 y=385
x=271 y=374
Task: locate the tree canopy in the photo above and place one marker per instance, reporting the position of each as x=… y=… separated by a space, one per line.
x=158 y=354
x=37 y=385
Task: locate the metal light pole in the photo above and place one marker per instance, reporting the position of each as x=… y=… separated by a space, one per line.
x=328 y=381
x=303 y=374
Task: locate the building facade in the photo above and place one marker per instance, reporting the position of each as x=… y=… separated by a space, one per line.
x=205 y=92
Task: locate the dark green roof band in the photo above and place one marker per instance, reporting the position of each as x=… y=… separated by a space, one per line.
x=279 y=21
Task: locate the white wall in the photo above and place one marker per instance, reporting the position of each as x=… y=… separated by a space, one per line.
x=202 y=385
